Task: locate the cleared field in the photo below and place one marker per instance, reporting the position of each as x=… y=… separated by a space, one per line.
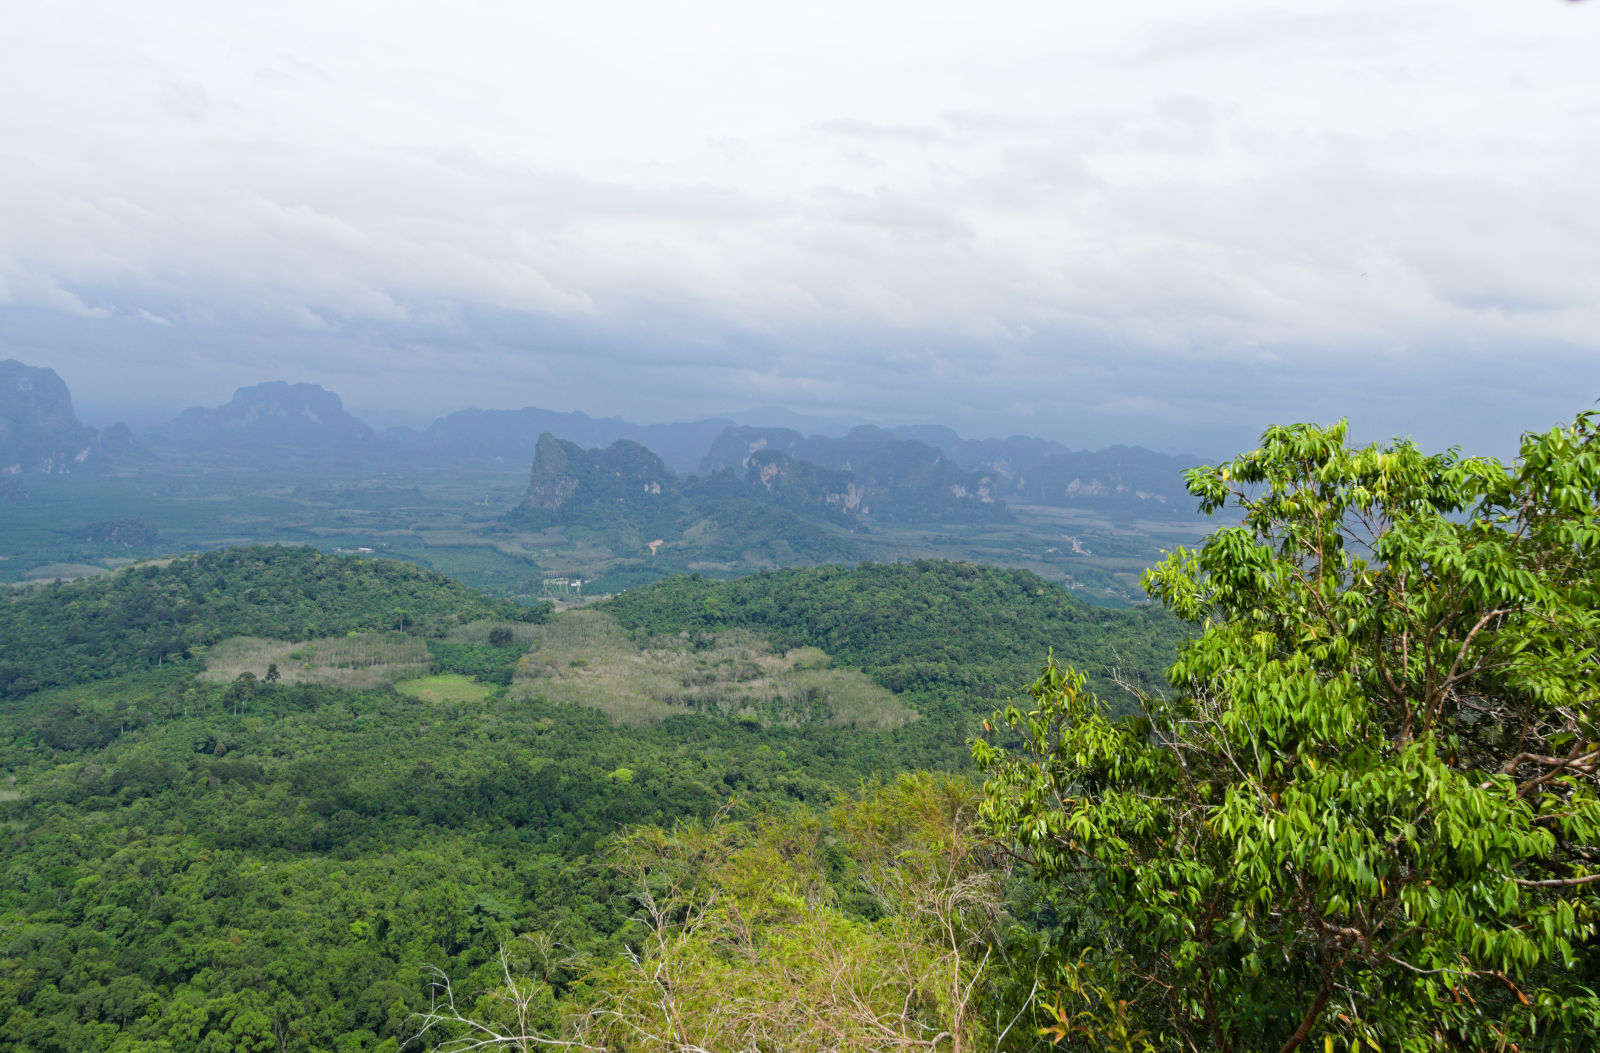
x=584 y=656
x=522 y=633
x=446 y=687
x=63 y=571
x=363 y=661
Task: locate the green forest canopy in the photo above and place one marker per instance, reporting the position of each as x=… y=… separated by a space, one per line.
x=191 y=864
x=146 y=615
x=1361 y=814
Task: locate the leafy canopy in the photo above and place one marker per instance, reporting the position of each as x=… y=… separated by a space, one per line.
x=874 y=932
x=1368 y=811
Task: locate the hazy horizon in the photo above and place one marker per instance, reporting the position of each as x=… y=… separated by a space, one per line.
x=150 y=417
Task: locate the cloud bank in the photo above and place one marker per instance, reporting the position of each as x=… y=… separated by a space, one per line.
x=1144 y=222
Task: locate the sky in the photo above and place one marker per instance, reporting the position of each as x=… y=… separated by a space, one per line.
x=1171 y=224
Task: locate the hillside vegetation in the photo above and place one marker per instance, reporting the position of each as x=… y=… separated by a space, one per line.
x=955 y=635
x=192 y=858
x=363 y=660
x=586 y=657
x=148 y=615
x=1342 y=793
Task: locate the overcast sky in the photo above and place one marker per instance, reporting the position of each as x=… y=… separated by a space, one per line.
x=1172 y=223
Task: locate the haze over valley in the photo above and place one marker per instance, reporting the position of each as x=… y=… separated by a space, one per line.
x=515 y=500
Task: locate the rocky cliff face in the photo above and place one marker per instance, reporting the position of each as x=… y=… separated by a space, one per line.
x=889 y=478
x=554 y=479
x=777 y=513
x=932 y=472
x=39 y=434
x=1120 y=479
x=622 y=483
x=806 y=488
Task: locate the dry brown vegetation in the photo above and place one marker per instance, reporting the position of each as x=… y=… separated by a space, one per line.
x=584 y=656
x=362 y=661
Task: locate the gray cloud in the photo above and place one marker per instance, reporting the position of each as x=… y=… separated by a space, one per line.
x=1096 y=223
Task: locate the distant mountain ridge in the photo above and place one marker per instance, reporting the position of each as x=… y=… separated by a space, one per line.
x=627 y=495
x=40 y=434
x=512 y=435
x=275 y=419
x=899 y=479
x=278 y=420
x=914 y=473
x=627 y=484
x=1020 y=469
x=771 y=509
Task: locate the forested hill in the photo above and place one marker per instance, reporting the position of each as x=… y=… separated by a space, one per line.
x=151 y=614
x=948 y=632
x=195 y=857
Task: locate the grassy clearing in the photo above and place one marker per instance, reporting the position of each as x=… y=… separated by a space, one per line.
x=362 y=661
x=522 y=633
x=584 y=656
x=63 y=571
x=445 y=687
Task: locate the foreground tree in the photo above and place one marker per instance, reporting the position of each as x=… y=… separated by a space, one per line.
x=744 y=947
x=877 y=932
x=1367 y=813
